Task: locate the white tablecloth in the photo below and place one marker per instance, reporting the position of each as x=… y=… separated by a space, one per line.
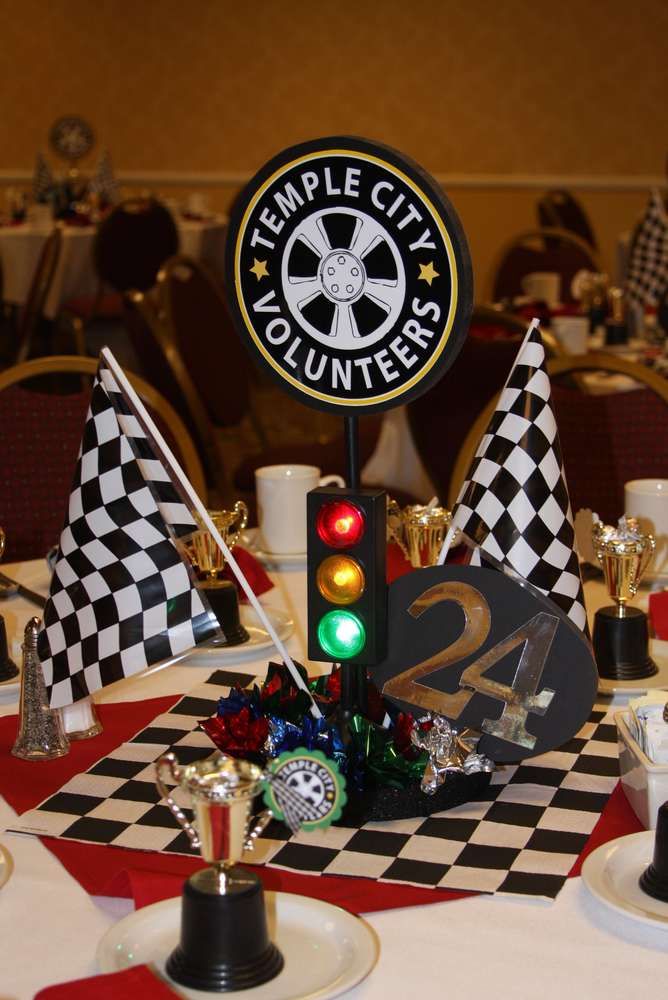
x=483 y=946
x=20 y=248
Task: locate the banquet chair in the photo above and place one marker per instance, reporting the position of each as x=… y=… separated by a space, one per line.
x=606 y=440
x=130 y=246
x=560 y=210
x=40 y=286
x=158 y=355
x=548 y=249
x=41 y=437
x=440 y=419
x=196 y=318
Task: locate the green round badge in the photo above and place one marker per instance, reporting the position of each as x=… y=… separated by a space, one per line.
x=306 y=789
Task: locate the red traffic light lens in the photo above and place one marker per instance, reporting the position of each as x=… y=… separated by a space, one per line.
x=340 y=524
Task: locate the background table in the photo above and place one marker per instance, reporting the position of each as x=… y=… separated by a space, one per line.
x=481 y=946
x=20 y=247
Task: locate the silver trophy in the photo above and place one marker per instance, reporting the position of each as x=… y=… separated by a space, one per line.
x=224 y=939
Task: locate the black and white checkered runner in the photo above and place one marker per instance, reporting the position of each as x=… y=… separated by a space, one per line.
x=514 y=503
x=521 y=836
x=121 y=598
x=647 y=278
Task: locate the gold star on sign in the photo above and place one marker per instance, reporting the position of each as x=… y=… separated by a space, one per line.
x=259 y=268
x=427 y=272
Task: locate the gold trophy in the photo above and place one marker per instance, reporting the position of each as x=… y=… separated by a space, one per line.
x=224 y=941
x=209 y=562
x=621 y=635
x=419 y=531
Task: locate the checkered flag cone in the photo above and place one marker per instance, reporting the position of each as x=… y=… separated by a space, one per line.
x=42 y=181
x=121 y=598
x=514 y=503
x=104 y=183
x=647 y=278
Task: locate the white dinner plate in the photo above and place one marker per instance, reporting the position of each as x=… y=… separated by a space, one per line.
x=326 y=949
x=659 y=653
x=260 y=641
x=279 y=562
x=611 y=874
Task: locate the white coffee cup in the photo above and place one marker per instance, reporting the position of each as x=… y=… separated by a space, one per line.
x=543 y=286
x=572 y=332
x=647 y=499
x=281 y=504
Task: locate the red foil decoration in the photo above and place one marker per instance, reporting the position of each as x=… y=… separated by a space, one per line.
x=238 y=734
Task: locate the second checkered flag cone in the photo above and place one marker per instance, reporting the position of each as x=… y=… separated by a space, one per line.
x=122 y=598
x=514 y=503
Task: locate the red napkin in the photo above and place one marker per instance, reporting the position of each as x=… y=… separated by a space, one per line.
x=658 y=614
x=253 y=571
x=138 y=981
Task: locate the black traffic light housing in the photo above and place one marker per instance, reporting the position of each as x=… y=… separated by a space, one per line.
x=369 y=552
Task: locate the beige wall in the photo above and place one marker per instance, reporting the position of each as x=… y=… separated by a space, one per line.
x=466 y=87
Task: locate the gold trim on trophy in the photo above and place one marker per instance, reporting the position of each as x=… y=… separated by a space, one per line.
x=418 y=530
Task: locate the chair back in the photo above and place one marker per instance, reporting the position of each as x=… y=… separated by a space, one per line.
x=606 y=440
x=41 y=439
x=558 y=209
x=133 y=242
x=158 y=354
x=440 y=419
x=40 y=286
x=546 y=249
x=200 y=325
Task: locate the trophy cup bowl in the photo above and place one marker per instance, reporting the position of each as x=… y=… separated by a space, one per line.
x=621 y=635
x=224 y=943
x=419 y=531
x=209 y=562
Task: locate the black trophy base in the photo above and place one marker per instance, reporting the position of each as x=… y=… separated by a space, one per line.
x=224 y=600
x=654 y=880
x=224 y=943
x=8 y=669
x=621 y=645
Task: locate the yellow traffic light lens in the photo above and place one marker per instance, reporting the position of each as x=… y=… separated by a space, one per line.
x=340 y=579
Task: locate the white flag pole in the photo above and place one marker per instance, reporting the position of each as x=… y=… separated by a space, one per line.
x=184 y=482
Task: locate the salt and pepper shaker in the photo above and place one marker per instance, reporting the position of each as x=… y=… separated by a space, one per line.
x=40 y=732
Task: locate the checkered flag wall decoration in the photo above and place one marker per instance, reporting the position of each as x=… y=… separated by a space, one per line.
x=122 y=598
x=42 y=182
x=514 y=503
x=647 y=279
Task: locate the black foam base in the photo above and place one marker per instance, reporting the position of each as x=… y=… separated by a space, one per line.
x=224 y=942
x=621 y=645
x=224 y=602
x=385 y=803
x=655 y=886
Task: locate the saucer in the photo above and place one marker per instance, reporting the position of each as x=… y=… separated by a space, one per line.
x=6 y=865
x=277 y=561
x=659 y=652
x=611 y=874
x=215 y=652
x=327 y=950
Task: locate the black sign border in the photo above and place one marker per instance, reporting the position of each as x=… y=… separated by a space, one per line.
x=464 y=270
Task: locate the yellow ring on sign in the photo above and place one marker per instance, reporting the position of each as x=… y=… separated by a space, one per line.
x=447 y=329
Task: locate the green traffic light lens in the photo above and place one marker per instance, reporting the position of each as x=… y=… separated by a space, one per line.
x=341 y=634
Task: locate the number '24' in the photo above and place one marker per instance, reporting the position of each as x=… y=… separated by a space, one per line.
x=519 y=698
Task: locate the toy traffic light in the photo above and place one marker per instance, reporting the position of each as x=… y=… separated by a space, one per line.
x=347 y=590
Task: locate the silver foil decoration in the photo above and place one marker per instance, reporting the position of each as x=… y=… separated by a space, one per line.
x=449 y=751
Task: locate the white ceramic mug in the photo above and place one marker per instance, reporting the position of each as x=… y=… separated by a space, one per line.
x=543 y=286
x=647 y=499
x=572 y=333
x=281 y=504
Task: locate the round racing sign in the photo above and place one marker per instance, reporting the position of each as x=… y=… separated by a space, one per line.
x=350 y=274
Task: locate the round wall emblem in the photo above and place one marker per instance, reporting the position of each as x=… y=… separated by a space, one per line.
x=349 y=274
x=71 y=137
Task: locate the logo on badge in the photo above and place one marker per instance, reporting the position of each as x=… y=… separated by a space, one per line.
x=350 y=274
x=306 y=789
